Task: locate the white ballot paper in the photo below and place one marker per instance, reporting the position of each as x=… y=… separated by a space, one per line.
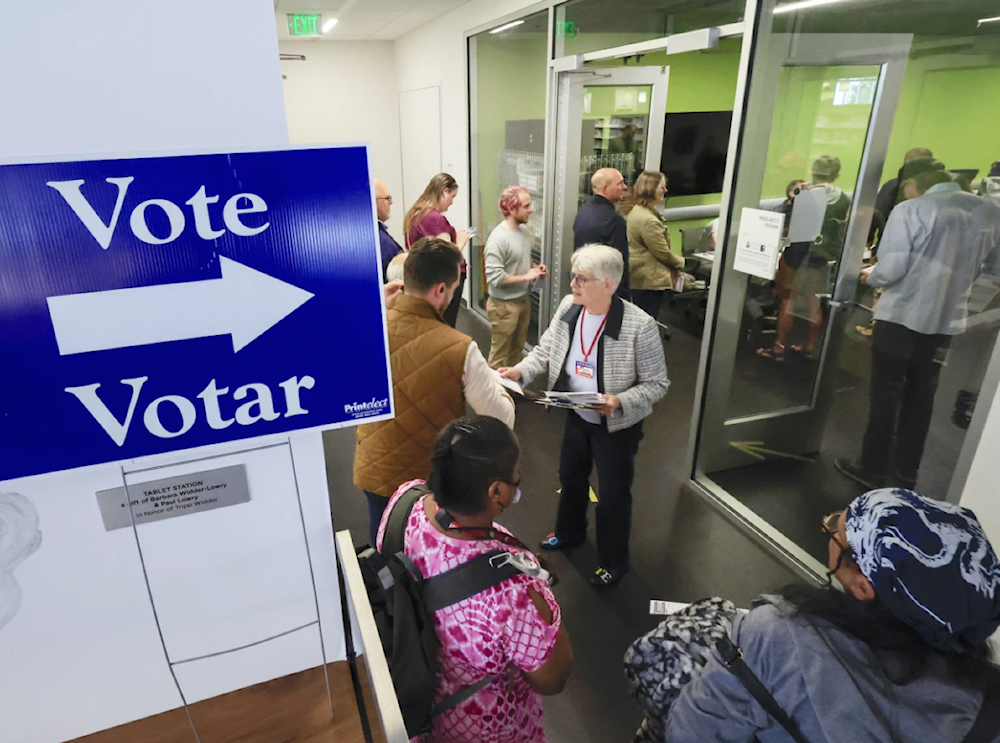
x=509 y=384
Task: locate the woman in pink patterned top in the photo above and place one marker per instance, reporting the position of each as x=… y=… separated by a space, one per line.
x=513 y=630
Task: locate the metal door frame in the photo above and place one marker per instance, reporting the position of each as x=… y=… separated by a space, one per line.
x=557 y=212
x=798 y=429
x=748 y=124
x=561 y=206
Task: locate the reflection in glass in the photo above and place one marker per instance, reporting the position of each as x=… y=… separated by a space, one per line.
x=507 y=135
x=817 y=142
x=944 y=117
x=614 y=132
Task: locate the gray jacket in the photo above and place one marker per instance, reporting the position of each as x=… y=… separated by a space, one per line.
x=630 y=361
x=828 y=682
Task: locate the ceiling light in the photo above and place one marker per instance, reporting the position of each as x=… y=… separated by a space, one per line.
x=988 y=20
x=792 y=7
x=329 y=24
x=505 y=26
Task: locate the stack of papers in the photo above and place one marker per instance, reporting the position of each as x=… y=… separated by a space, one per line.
x=572 y=400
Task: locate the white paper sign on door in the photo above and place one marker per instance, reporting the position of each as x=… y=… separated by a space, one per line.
x=759 y=243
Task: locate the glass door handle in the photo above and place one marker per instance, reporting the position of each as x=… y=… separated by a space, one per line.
x=827 y=300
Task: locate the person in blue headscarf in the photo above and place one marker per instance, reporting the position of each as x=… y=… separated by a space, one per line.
x=899 y=655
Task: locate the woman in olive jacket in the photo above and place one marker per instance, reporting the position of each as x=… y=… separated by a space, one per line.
x=653 y=266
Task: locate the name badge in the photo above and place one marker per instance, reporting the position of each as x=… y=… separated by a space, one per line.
x=583 y=369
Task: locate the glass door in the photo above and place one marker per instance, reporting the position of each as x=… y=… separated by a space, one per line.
x=827 y=124
x=607 y=117
x=818 y=124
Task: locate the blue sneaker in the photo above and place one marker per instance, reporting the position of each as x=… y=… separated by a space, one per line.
x=552 y=542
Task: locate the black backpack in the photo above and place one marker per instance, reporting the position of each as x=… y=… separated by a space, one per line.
x=404 y=602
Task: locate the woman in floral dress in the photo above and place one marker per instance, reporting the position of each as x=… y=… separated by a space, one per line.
x=513 y=631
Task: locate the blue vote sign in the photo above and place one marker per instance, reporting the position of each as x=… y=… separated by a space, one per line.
x=155 y=304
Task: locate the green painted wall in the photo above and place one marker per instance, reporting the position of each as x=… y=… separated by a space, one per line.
x=510 y=86
x=808 y=124
x=951 y=111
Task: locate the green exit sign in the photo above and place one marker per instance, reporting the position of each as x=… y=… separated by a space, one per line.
x=567 y=29
x=304 y=24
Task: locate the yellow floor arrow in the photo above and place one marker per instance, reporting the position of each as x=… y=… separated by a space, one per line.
x=757 y=450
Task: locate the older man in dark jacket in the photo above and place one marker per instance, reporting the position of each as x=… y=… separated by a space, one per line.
x=598 y=222
x=388 y=247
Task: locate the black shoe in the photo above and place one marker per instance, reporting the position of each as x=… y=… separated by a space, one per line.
x=965 y=406
x=854 y=471
x=962 y=420
x=605 y=578
x=552 y=542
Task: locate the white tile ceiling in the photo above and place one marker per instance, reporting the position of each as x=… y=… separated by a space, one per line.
x=366 y=20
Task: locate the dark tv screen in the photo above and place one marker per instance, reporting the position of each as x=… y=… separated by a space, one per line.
x=694 y=151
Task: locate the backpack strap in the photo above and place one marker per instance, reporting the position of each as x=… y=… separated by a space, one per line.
x=450 y=702
x=395 y=528
x=459 y=583
x=468 y=579
x=732 y=658
x=987 y=723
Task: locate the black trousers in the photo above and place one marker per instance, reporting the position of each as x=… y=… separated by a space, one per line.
x=450 y=313
x=584 y=444
x=904 y=379
x=649 y=300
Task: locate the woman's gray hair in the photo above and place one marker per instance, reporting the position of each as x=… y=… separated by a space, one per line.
x=603 y=261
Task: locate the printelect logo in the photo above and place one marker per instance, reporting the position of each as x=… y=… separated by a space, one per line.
x=373 y=406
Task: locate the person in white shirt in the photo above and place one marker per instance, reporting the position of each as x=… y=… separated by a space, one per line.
x=597 y=342
x=509 y=273
x=936 y=244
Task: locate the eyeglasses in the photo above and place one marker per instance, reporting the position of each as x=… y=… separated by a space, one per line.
x=578 y=279
x=830 y=524
x=384 y=198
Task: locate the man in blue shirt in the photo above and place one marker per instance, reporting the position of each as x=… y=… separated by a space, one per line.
x=935 y=246
x=387 y=245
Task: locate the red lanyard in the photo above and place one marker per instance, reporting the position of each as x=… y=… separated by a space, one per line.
x=586 y=353
x=478 y=533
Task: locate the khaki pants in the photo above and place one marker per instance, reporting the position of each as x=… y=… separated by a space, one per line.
x=510 y=330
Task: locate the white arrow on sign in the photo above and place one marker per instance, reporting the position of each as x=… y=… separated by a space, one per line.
x=244 y=303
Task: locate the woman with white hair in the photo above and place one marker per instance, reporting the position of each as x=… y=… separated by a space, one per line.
x=597 y=342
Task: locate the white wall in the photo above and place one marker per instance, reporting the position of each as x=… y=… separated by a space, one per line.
x=120 y=76
x=436 y=55
x=195 y=76
x=345 y=91
x=980 y=493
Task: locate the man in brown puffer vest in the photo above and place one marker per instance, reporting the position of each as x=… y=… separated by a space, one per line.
x=436 y=370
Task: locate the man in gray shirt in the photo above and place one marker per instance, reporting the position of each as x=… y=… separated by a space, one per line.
x=934 y=248
x=509 y=273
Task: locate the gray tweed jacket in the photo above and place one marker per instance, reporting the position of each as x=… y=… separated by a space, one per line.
x=630 y=361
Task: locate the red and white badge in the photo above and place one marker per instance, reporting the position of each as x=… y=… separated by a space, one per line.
x=584 y=369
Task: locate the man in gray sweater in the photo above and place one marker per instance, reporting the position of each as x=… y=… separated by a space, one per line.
x=509 y=273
